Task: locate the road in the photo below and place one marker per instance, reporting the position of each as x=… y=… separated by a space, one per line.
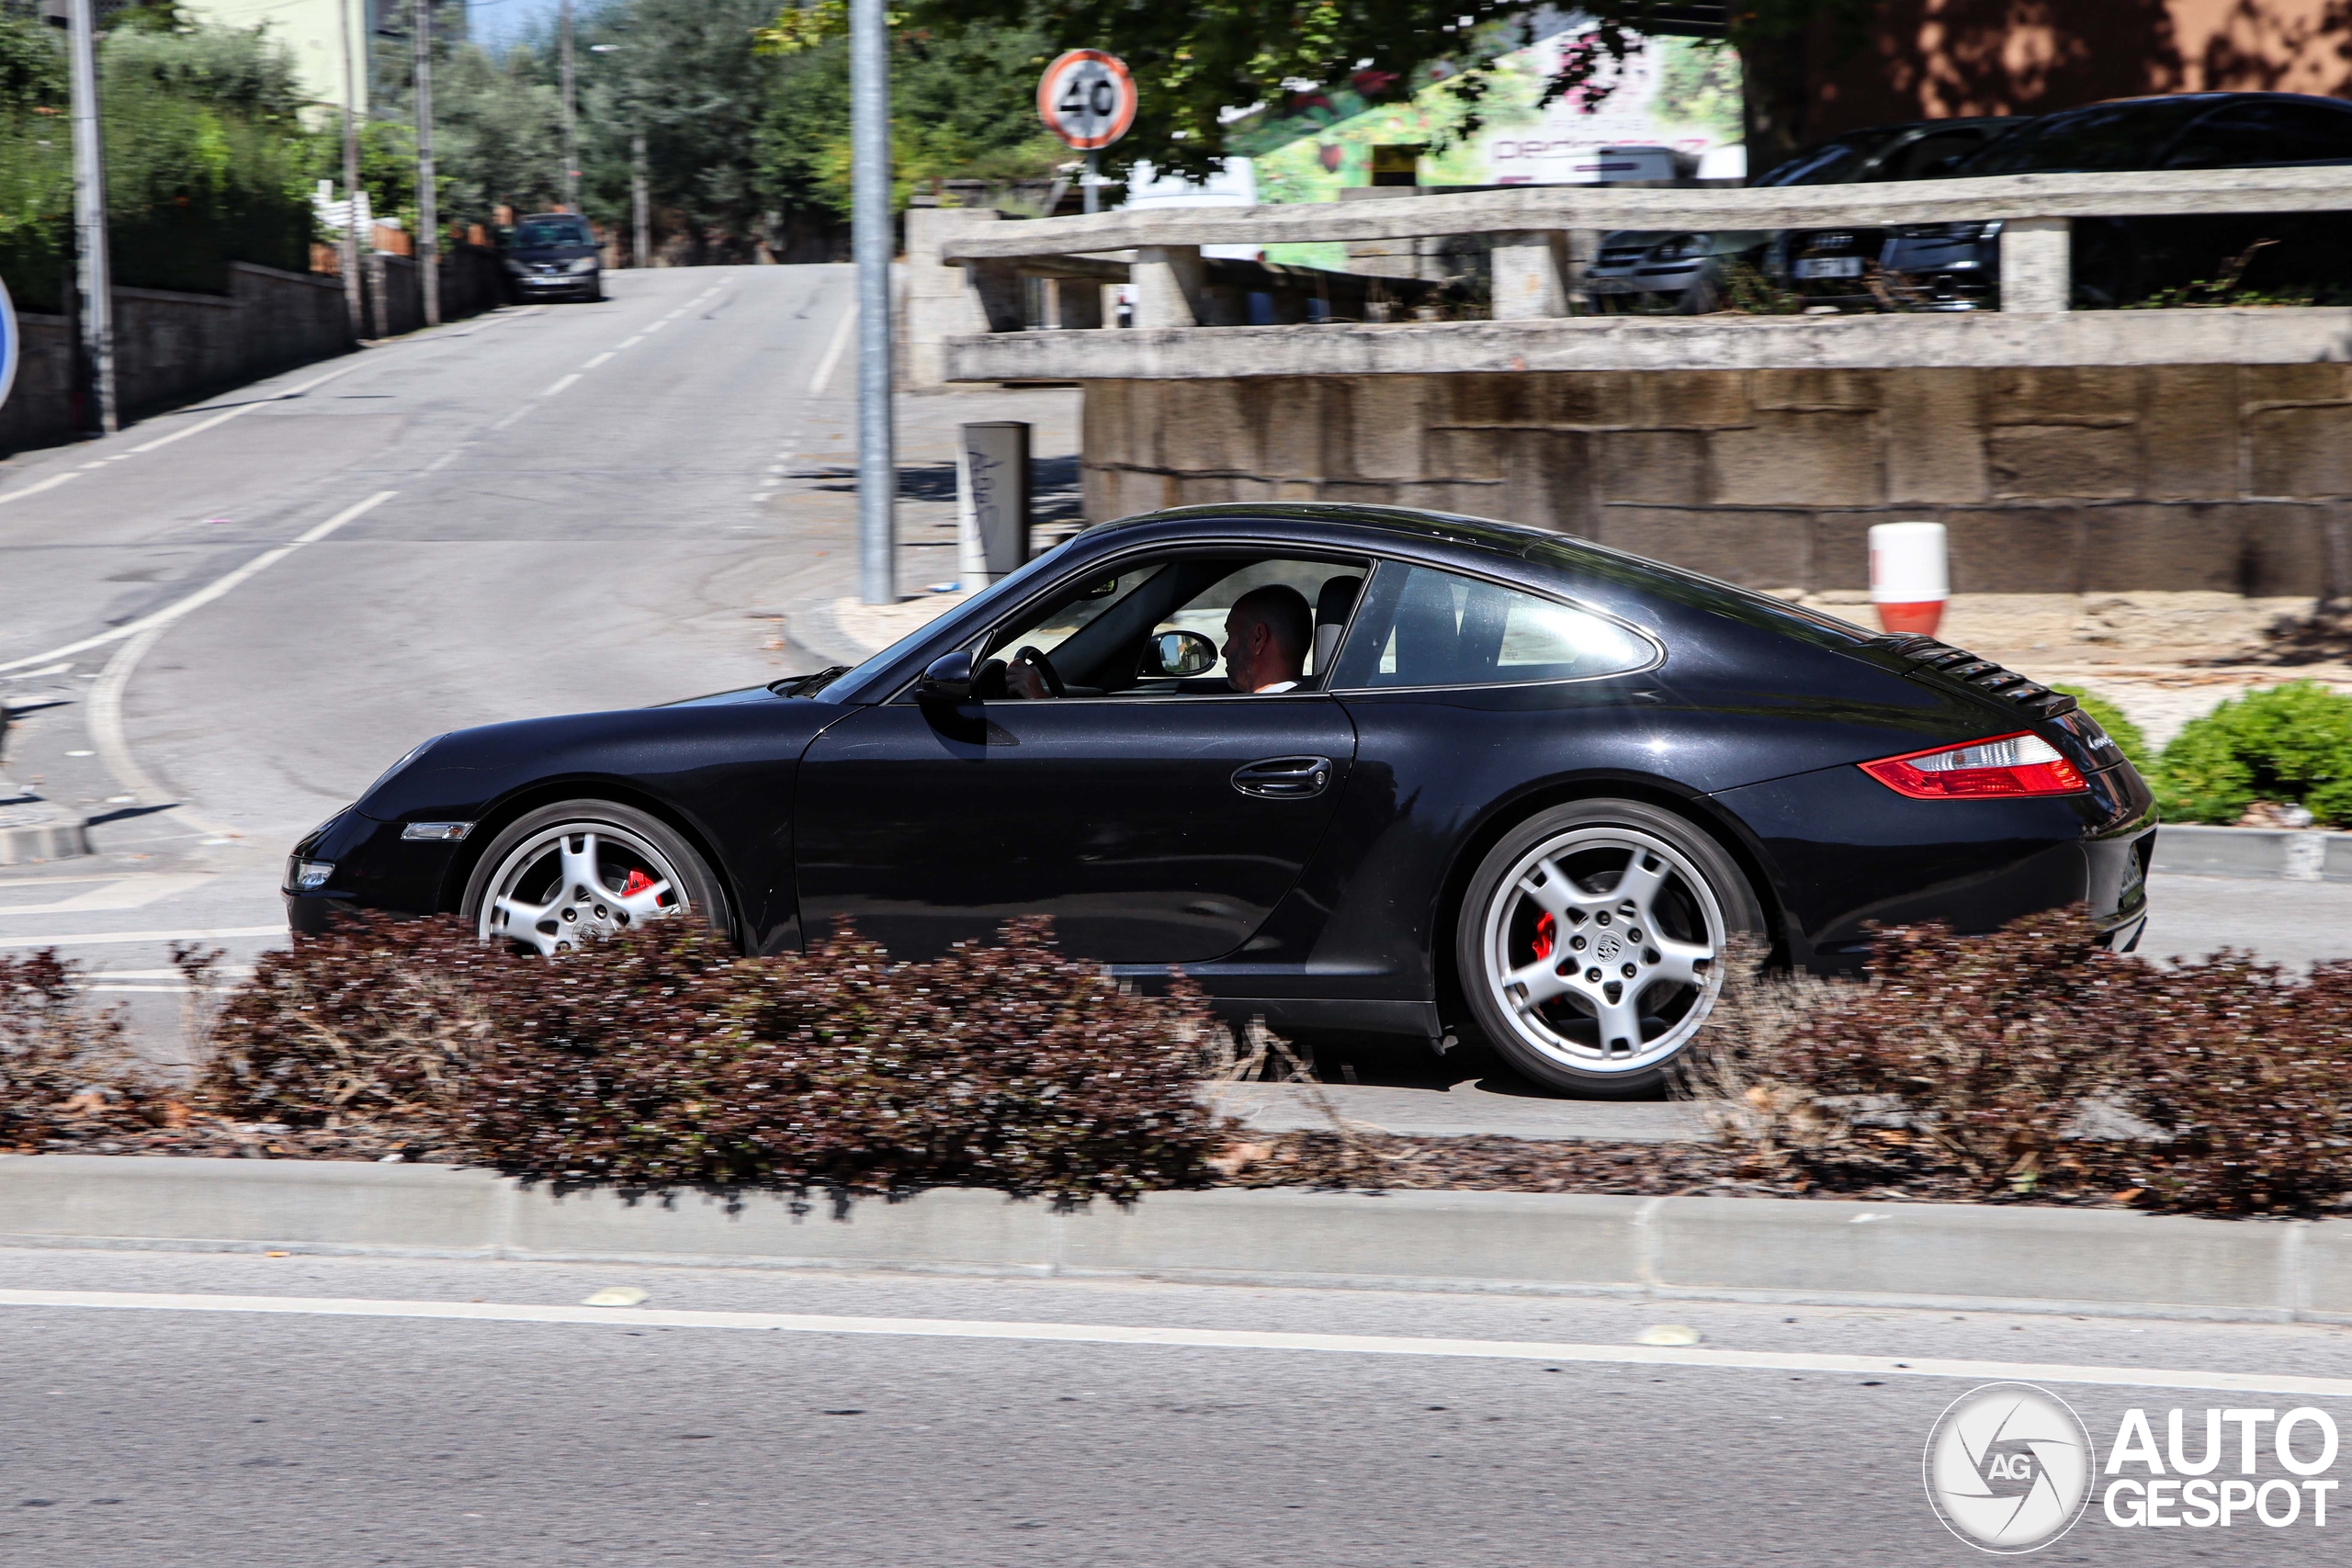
x=549 y=509
x=187 y=1436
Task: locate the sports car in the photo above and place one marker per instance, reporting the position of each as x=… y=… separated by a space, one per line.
x=1518 y=787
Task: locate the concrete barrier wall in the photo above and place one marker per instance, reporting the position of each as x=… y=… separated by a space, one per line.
x=2218 y=496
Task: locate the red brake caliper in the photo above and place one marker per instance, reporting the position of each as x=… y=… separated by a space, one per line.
x=638 y=882
x=1545 y=932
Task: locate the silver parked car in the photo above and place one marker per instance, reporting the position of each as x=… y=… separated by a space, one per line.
x=1654 y=272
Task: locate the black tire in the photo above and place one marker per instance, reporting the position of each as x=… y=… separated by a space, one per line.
x=1650 y=903
x=625 y=840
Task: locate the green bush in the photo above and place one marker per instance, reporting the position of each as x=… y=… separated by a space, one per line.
x=2291 y=744
x=2127 y=736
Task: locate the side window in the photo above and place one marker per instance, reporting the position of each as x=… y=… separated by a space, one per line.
x=1422 y=626
x=1074 y=612
x=1913 y=162
x=2250 y=134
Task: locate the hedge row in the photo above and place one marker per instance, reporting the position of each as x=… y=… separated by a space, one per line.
x=2287 y=745
x=661 y=1060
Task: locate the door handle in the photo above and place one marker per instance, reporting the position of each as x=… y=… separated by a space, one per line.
x=1285 y=778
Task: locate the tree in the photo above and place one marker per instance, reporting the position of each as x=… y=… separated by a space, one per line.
x=1196 y=63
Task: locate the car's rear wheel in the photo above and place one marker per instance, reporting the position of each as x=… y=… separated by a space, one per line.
x=582 y=869
x=1593 y=940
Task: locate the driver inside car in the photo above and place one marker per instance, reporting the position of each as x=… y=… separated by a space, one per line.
x=1267 y=633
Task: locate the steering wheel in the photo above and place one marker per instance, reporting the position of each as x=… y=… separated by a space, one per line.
x=1044 y=667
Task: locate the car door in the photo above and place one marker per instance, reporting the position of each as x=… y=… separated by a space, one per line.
x=1154 y=829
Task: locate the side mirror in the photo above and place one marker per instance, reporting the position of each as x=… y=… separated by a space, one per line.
x=949 y=677
x=1181 y=654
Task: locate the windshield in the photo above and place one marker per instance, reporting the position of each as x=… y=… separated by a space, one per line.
x=1829 y=164
x=849 y=686
x=551 y=234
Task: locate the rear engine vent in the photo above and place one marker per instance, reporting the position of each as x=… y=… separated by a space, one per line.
x=1983 y=673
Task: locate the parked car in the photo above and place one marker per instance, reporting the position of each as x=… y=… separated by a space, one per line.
x=1661 y=272
x=1526 y=788
x=552 y=254
x=2122 y=261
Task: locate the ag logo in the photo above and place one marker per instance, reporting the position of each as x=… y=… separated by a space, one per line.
x=2008 y=1467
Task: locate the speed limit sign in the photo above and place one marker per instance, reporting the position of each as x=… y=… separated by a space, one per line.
x=1087 y=98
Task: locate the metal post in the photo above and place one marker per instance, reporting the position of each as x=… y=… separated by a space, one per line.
x=428 y=208
x=1094 y=175
x=352 y=303
x=571 y=123
x=877 y=472
x=639 y=202
x=93 y=273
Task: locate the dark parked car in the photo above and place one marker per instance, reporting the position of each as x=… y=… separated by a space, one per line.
x=1653 y=271
x=553 y=255
x=1526 y=788
x=2123 y=261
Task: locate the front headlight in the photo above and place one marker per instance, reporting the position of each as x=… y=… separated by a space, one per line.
x=1682 y=247
x=1956 y=231
x=517 y=268
x=585 y=264
x=307 y=876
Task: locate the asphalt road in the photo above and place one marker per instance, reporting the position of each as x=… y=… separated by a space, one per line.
x=187 y=1436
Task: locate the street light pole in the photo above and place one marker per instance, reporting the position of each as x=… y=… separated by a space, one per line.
x=571 y=123
x=428 y=212
x=92 y=276
x=877 y=472
x=640 y=201
x=352 y=304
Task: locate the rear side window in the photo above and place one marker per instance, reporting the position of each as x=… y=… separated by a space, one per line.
x=1422 y=626
x=1918 y=159
x=2092 y=140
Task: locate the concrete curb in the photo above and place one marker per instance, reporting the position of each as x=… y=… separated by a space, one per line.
x=2101 y=1262
x=2289 y=855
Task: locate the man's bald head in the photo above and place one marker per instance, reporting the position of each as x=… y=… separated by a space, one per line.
x=1267 y=633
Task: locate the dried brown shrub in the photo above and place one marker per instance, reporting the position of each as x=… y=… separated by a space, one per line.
x=65 y=1072
x=663 y=1060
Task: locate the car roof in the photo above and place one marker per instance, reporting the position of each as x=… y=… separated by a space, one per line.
x=1401 y=521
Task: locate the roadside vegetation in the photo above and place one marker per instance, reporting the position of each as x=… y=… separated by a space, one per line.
x=2029 y=1065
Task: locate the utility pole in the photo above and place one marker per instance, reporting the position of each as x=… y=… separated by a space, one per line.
x=571 y=123
x=93 y=275
x=877 y=468
x=428 y=214
x=352 y=302
x=639 y=202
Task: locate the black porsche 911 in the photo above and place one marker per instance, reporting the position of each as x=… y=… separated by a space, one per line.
x=1515 y=786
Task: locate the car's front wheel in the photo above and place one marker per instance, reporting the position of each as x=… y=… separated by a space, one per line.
x=1593 y=940
x=582 y=869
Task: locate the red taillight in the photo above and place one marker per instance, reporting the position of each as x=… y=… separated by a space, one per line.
x=2005 y=765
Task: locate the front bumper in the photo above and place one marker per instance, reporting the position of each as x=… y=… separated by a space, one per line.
x=374 y=869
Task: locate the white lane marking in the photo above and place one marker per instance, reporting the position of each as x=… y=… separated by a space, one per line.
x=511 y=418
x=560 y=385
x=655 y=327
x=210 y=592
x=634 y=341
x=598 y=360
x=85 y=939
x=834 y=350
x=104 y=708
x=112 y=893
x=136 y=990
x=50 y=484
x=1199 y=1339
x=51 y=669
x=448 y=457
x=241 y=410
x=99 y=463
x=221 y=971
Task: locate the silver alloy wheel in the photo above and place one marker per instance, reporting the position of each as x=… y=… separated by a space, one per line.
x=579 y=880
x=1631 y=962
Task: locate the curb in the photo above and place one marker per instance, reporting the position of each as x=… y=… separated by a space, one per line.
x=1966 y=1257
x=2289 y=855
x=40 y=835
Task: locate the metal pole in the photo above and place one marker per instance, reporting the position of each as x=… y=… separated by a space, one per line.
x=640 y=201
x=571 y=123
x=870 y=243
x=352 y=302
x=1093 y=174
x=93 y=275
x=428 y=207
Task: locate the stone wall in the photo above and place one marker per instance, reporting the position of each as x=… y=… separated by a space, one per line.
x=2182 y=505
